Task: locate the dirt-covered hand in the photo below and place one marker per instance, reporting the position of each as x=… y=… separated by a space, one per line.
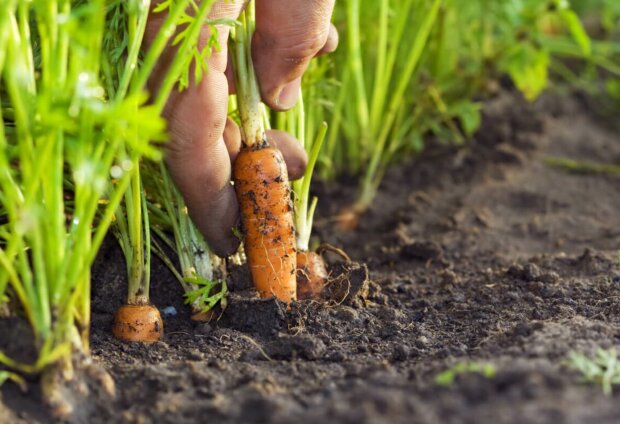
x=204 y=142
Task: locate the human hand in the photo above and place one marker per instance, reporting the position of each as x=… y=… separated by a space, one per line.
x=204 y=142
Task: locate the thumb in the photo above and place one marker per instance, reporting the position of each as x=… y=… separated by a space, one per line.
x=288 y=35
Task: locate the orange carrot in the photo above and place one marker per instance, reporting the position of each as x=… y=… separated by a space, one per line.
x=348 y=219
x=138 y=323
x=208 y=316
x=263 y=191
x=261 y=180
x=311 y=275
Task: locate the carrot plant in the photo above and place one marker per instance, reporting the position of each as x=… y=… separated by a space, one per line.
x=305 y=205
x=410 y=69
x=261 y=180
x=374 y=82
x=447 y=377
x=603 y=370
x=138 y=320
x=311 y=271
x=74 y=114
x=59 y=123
x=196 y=262
x=598 y=72
x=131 y=218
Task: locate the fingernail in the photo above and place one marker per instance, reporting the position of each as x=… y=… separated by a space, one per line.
x=289 y=94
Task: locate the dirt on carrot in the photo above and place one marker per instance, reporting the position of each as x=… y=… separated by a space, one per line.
x=261 y=183
x=138 y=323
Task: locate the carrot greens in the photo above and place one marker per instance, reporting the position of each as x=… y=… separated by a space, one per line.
x=408 y=70
x=294 y=122
x=196 y=262
x=58 y=125
x=74 y=124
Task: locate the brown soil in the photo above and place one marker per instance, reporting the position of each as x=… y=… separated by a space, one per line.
x=479 y=254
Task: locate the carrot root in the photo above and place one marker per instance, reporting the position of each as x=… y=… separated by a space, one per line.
x=138 y=323
x=326 y=247
x=263 y=191
x=199 y=316
x=348 y=219
x=311 y=275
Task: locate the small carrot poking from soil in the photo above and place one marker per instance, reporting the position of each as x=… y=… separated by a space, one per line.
x=263 y=191
x=200 y=316
x=138 y=323
x=348 y=219
x=311 y=275
x=312 y=272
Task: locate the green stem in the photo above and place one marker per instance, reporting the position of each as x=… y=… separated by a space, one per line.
x=165 y=33
x=304 y=214
x=248 y=93
x=176 y=67
x=378 y=95
x=107 y=216
x=146 y=282
x=582 y=167
x=136 y=272
x=159 y=251
x=334 y=145
x=357 y=66
x=136 y=35
x=370 y=180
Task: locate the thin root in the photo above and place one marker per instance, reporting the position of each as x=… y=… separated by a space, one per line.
x=326 y=247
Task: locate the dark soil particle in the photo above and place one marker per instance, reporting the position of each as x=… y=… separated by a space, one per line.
x=477 y=254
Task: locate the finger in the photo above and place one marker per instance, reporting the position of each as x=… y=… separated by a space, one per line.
x=331 y=44
x=288 y=35
x=232 y=139
x=293 y=152
x=197 y=155
x=200 y=164
x=230 y=76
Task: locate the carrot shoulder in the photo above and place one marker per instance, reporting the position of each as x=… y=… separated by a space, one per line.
x=138 y=323
x=311 y=275
x=263 y=191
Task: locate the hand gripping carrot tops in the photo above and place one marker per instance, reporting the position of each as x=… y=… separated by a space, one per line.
x=261 y=183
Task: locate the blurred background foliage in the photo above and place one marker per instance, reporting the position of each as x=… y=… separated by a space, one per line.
x=472 y=50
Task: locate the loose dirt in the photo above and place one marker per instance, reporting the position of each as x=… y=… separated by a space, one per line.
x=482 y=253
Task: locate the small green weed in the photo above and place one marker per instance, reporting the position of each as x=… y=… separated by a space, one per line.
x=15 y=378
x=447 y=377
x=603 y=370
